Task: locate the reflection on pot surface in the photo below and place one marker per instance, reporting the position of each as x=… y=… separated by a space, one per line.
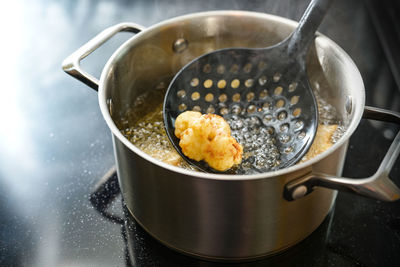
x=143 y=126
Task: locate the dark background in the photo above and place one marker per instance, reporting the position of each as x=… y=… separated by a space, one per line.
x=54 y=144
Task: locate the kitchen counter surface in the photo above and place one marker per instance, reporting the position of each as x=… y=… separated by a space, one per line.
x=55 y=144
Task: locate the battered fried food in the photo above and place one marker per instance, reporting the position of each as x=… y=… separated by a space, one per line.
x=208 y=137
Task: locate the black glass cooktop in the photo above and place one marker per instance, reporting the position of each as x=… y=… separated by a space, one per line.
x=55 y=145
x=334 y=243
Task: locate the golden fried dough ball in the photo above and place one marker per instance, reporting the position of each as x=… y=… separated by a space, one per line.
x=183 y=120
x=208 y=137
x=192 y=144
x=223 y=152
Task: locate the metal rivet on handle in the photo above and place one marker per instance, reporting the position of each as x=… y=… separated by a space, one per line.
x=299 y=192
x=180 y=45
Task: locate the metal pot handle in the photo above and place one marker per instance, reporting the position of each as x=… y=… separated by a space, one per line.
x=71 y=64
x=378 y=186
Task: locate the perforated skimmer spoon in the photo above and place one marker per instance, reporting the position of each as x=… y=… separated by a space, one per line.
x=263 y=93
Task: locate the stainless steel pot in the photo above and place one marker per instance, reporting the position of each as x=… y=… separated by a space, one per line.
x=226 y=216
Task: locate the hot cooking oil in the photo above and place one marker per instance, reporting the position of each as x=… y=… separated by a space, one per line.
x=149 y=135
x=143 y=126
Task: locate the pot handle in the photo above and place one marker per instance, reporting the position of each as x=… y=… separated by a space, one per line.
x=71 y=64
x=378 y=186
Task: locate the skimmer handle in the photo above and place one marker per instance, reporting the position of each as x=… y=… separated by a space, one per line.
x=299 y=41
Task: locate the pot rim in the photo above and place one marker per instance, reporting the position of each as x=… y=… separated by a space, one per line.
x=102 y=92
